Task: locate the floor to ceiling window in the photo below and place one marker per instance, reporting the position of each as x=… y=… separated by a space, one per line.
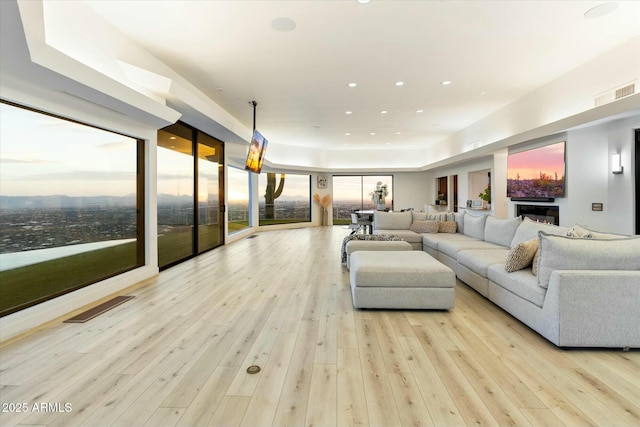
x=190 y=193
x=239 y=216
x=284 y=198
x=71 y=206
x=353 y=192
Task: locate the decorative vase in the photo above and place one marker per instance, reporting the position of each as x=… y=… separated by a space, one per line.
x=325 y=217
x=380 y=206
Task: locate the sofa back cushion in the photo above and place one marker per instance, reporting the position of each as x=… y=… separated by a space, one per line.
x=474 y=226
x=528 y=230
x=568 y=253
x=459 y=217
x=392 y=220
x=501 y=231
x=419 y=216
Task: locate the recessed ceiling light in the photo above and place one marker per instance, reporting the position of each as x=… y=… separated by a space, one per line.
x=388 y=143
x=348 y=112
x=347 y=134
x=363 y=1
x=419 y=111
x=445 y=82
x=399 y=83
x=352 y=84
x=283 y=24
x=172 y=137
x=398 y=133
x=383 y=112
x=601 y=10
x=372 y=133
x=483 y=93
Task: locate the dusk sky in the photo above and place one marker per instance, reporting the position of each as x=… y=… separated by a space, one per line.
x=528 y=164
x=42 y=156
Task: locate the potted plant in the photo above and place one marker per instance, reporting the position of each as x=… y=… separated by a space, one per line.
x=486 y=196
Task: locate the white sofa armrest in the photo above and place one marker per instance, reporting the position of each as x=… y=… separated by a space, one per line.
x=598 y=308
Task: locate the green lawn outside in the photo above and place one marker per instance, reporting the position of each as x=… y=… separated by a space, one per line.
x=32 y=283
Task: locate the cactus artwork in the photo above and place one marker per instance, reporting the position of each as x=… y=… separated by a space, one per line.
x=271 y=194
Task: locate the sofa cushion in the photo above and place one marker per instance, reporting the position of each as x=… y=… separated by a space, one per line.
x=479 y=260
x=521 y=255
x=424 y=226
x=528 y=230
x=392 y=220
x=567 y=253
x=419 y=216
x=432 y=240
x=447 y=226
x=474 y=226
x=406 y=235
x=521 y=283
x=459 y=217
x=452 y=247
x=501 y=231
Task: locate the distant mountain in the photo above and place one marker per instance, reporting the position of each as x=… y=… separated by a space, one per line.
x=61 y=201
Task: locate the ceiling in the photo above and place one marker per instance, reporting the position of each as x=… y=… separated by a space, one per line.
x=492 y=52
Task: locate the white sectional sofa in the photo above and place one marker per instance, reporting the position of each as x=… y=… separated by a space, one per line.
x=585 y=292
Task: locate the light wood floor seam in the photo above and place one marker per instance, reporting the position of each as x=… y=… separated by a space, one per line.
x=176 y=355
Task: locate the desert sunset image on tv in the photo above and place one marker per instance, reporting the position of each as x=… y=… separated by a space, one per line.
x=537 y=173
x=257 y=149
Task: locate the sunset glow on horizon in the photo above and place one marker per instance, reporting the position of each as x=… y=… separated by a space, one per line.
x=529 y=164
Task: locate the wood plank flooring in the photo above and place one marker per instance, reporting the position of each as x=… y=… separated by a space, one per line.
x=177 y=354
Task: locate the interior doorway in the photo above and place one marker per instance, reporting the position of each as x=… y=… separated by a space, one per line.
x=637 y=170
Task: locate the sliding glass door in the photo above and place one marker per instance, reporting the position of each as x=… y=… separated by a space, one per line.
x=190 y=193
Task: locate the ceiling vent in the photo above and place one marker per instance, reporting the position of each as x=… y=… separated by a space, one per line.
x=615 y=94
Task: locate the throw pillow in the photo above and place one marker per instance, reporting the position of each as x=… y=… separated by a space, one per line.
x=566 y=253
x=424 y=226
x=534 y=263
x=447 y=226
x=521 y=255
x=579 y=232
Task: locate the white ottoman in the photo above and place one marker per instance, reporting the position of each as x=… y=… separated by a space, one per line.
x=375 y=245
x=400 y=279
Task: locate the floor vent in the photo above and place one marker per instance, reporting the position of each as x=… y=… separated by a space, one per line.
x=99 y=309
x=615 y=94
x=253 y=236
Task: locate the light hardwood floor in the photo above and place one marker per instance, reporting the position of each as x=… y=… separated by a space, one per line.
x=177 y=354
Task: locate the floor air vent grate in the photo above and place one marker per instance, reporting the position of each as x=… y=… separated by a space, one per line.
x=253 y=236
x=99 y=309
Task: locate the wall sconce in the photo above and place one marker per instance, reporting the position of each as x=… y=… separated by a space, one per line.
x=616 y=163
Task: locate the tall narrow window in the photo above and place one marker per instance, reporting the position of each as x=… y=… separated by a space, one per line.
x=175 y=194
x=71 y=206
x=238 y=200
x=284 y=198
x=210 y=192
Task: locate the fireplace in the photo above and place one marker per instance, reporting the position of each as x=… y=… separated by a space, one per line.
x=546 y=214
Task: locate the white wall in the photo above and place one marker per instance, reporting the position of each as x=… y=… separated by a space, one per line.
x=589 y=177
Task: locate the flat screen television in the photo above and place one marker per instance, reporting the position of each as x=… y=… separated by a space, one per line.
x=538 y=173
x=257 y=150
